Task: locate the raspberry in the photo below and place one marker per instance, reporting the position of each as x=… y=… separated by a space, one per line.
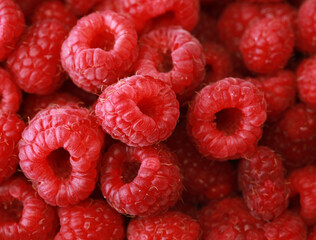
x=262 y=180
x=303 y=181
x=23 y=214
x=34 y=63
x=54 y=9
x=279 y=91
x=262 y=1
x=312 y=235
x=11 y=95
x=287 y=226
x=225 y=119
x=169 y=225
x=140 y=181
x=306 y=27
x=174 y=56
x=229 y=219
x=90 y=220
x=139 y=110
x=11 y=27
x=82 y=7
x=99 y=50
x=305 y=80
x=205 y=30
x=59 y=152
x=11 y=128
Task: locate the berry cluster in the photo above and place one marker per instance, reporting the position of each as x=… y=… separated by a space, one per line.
x=158 y=119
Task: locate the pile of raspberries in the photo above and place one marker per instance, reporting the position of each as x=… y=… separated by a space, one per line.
x=158 y=120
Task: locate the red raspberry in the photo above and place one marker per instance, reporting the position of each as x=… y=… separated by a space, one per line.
x=279 y=91
x=287 y=226
x=54 y=9
x=59 y=152
x=11 y=128
x=90 y=220
x=261 y=1
x=312 y=235
x=303 y=182
x=267 y=45
x=82 y=7
x=306 y=27
x=99 y=50
x=232 y=23
x=35 y=61
x=174 y=56
x=169 y=225
x=23 y=214
x=139 y=110
x=262 y=180
x=229 y=219
x=11 y=26
x=140 y=181
x=225 y=119
x=11 y=95
x=205 y=30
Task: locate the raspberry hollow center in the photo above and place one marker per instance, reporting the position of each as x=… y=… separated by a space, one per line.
x=228 y=120
x=148 y=107
x=129 y=171
x=11 y=211
x=103 y=40
x=59 y=162
x=165 y=63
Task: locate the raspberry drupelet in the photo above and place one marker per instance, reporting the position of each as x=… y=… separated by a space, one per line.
x=59 y=151
x=100 y=49
x=90 y=220
x=82 y=7
x=225 y=119
x=140 y=181
x=138 y=110
x=23 y=214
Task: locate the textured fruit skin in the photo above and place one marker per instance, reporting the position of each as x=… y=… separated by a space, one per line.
x=169 y=225
x=37 y=221
x=138 y=110
x=81 y=7
x=11 y=95
x=229 y=219
x=35 y=62
x=286 y=226
x=264 y=187
x=225 y=119
x=11 y=27
x=70 y=128
x=156 y=187
x=11 y=127
x=90 y=220
x=306 y=27
x=91 y=65
x=267 y=45
x=302 y=182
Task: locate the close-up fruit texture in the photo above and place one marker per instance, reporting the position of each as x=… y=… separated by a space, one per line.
x=157 y=119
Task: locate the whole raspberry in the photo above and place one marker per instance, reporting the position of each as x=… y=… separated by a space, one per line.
x=229 y=219
x=279 y=91
x=23 y=214
x=99 y=50
x=35 y=62
x=225 y=119
x=59 y=152
x=174 y=56
x=306 y=27
x=286 y=226
x=11 y=95
x=169 y=225
x=11 y=128
x=262 y=180
x=267 y=45
x=140 y=181
x=90 y=220
x=138 y=110
x=11 y=27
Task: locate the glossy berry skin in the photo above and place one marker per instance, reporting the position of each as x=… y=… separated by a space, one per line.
x=169 y=225
x=59 y=152
x=138 y=110
x=264 y=187
x=90 y=220
x=23 y=214
x=140 y=181
x=225 y=119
